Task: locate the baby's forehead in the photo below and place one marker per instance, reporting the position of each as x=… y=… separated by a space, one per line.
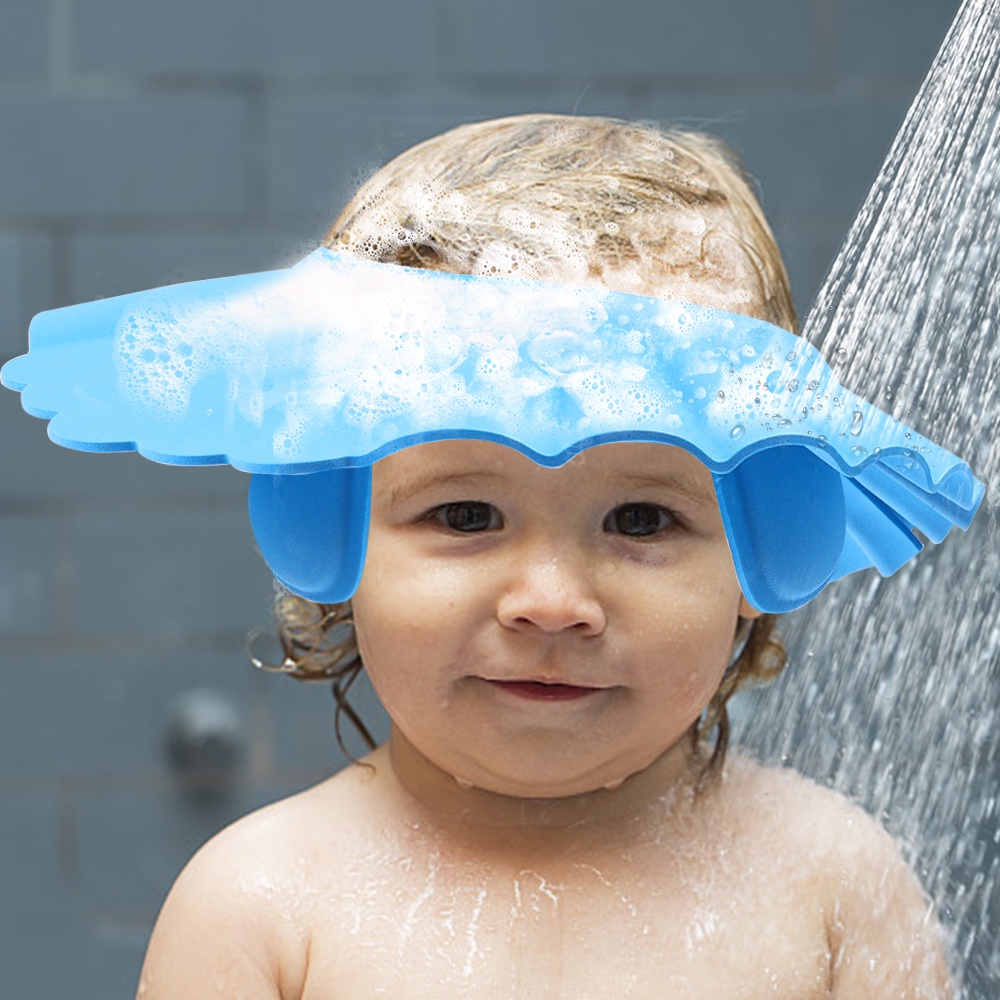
x=620 y=463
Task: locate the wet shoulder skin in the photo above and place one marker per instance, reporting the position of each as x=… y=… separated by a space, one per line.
x=766 y=886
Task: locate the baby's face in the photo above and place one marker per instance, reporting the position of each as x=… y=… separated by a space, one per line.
x=545 y=632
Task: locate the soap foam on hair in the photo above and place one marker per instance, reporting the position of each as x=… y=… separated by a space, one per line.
x=333 y=340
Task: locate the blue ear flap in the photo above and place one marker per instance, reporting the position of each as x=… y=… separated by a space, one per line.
x=786 y=519
x=312 y=529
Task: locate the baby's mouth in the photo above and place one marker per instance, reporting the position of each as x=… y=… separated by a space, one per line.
x=545 y=690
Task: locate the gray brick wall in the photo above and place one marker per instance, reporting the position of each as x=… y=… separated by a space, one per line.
x=24 y=38
x=142 y=143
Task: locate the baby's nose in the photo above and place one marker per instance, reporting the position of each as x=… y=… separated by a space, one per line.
x=551 y=595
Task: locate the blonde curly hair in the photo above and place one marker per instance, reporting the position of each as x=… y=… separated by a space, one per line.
x=564 y=198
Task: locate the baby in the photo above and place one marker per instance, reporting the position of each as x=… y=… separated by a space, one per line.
x=551 y=816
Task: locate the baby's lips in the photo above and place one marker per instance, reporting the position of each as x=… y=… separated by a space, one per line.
x=547 y=690
x=546 y=682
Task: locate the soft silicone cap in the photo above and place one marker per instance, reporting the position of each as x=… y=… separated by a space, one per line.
x=334 y=363
x=313 y=530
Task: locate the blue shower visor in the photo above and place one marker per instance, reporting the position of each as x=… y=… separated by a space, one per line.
x=306 y=376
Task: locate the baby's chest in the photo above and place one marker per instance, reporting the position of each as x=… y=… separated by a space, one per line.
x=588 y=937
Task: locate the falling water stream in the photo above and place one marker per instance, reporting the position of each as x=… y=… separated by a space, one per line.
x=893 y=692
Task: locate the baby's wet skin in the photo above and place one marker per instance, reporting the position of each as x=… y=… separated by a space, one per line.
x=538 y=824
x=659 y=910
x=746 y=891
x=545 y=829
x=542 y=632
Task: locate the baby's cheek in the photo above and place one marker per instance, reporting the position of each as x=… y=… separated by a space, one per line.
x=695 y=651
x=698 y=681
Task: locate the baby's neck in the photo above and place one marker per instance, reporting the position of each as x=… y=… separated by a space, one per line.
x=663 y=793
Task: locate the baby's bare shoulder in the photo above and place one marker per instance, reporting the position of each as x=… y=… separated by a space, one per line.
x=241 y=911
x=883 y=937
x=290 y=830
x=803 y=826
x=784 y=804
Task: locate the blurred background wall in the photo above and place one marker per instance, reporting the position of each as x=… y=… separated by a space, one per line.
x=146 y=143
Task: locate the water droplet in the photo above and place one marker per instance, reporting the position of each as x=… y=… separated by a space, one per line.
x=841 y=355
x=793 y=386
x=821 y=441
x=857 y=422
x=790 y=356
x=888 y=392
x=858 y=451
x=720 y=396
x=784 y=423
x=737 y=432
x=813 y=385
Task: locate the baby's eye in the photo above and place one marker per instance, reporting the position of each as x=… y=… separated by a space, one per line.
x=467 y=516
x=638 y=519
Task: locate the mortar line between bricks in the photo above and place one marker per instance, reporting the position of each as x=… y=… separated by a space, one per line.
x=825 y=26
x=137 y=647
x=447 y=41
x=154 y=783
x=258 y=133
x=60 y=46
x=61 y=236
x=42 y=506
x=66 y=582
x=66 y=834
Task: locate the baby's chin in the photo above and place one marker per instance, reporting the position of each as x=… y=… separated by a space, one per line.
x=658 y=775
